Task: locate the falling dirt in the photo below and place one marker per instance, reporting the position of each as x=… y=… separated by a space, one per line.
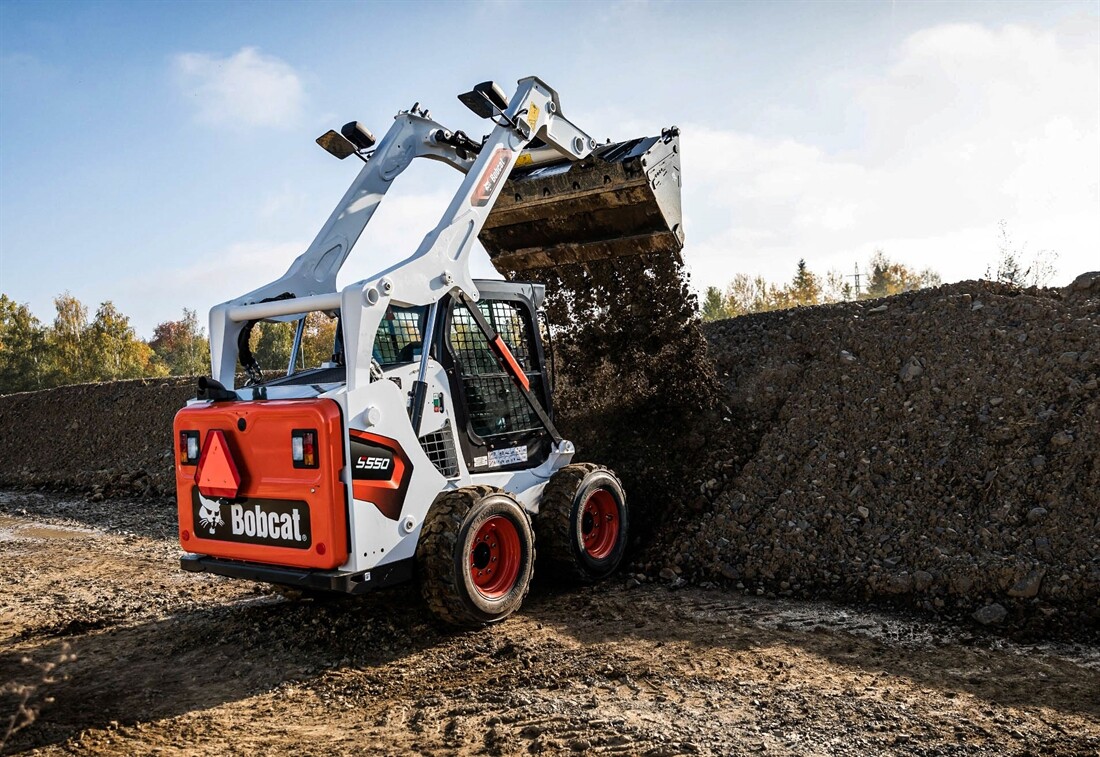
x=634 y=386
x=155 y=660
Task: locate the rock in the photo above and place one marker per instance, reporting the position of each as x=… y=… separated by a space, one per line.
x=847 y=357
x=899 y=584
x=667 y=574
x=990 y=615
x=922 y=579
x=879 y=309
x=913 y=368
x=1084 y=286
x=1035 y=514
x=977 y=305
x=864 y=512
x=1061 y=439
x=1028 y=586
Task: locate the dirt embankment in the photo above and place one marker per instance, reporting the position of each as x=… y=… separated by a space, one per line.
x=940 y=448
x=104 y=440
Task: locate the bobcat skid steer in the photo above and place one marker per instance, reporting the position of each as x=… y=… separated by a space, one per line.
x=425 y=448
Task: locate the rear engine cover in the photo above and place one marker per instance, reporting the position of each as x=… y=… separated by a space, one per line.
x=282 y=513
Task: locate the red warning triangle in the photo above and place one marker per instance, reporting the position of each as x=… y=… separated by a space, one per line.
x=217 y=475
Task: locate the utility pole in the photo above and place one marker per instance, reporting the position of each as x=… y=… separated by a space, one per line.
x=858 y=277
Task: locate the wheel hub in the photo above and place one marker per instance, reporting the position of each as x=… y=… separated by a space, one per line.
x=600 y=524
x=495 y=557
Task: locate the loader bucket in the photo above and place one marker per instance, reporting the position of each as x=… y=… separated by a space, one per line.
x=624 y=199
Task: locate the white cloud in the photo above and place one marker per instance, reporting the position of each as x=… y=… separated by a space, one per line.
x=223 y=274
x=214 y=277
x=243 y=89
x=969 y=126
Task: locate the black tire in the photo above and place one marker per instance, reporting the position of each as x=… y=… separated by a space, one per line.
x=458 y=554
x=563 y=527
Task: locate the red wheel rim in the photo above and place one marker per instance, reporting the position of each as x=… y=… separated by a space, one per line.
x=495 y=557
x=600 y=524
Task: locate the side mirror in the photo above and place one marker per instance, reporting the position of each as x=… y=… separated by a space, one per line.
x=336 y=144
x=485 y=100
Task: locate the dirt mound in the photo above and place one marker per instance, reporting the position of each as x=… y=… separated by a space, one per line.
x=941 y=447
x=110 y=439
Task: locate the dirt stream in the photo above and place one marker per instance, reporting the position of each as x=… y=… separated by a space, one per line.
x=161 y=661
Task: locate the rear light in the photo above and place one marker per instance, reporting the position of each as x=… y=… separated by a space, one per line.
x=303 y=448
x=189 y=447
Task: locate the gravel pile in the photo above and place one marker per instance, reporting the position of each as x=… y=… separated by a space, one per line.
x=940 y=448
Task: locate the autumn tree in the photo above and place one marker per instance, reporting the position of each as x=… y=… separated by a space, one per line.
x=115 y=352
x=889 y=277
x=271 y=343
x=805 y=289
x=68 y=341
x=318 y=339
x=182 y=345
x=754 y=294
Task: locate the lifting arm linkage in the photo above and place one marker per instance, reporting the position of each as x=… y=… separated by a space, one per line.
x=442 y=261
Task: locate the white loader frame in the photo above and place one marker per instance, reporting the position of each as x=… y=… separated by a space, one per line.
x=439 y=267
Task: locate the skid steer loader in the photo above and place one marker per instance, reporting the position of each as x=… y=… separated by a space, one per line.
x=425 y=448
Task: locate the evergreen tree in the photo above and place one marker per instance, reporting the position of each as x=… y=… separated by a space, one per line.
x=805 y=289
x=714 y=305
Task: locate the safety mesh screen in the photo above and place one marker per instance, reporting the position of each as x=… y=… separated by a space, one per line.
x=398 y=339
x=439 y=446
x=495 y=404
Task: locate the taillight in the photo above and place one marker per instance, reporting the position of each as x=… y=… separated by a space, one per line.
x=189 y=447
x=303 y=448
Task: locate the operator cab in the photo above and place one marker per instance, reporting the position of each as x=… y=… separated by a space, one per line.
x=497 y=429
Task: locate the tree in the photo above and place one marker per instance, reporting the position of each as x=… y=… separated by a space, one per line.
x=805 y=289
x=25 y=363
x=317 y=339
x=837 y=287
x=271 y=344
x=114 y=349
x=889 y=277
x=67 y=341
x=182 y=345
x=1009 y=268
x=715 y=307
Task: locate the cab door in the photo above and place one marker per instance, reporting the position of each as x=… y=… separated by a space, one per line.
x=499 y=431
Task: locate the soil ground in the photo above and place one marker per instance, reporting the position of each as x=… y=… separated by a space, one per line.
x=154 y=660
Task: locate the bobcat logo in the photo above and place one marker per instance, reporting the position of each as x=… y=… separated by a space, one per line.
x=210 y=515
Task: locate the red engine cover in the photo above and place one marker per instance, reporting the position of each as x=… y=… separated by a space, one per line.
x=263 y=507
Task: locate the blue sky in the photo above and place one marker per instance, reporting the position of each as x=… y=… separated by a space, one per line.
x=161 y=155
